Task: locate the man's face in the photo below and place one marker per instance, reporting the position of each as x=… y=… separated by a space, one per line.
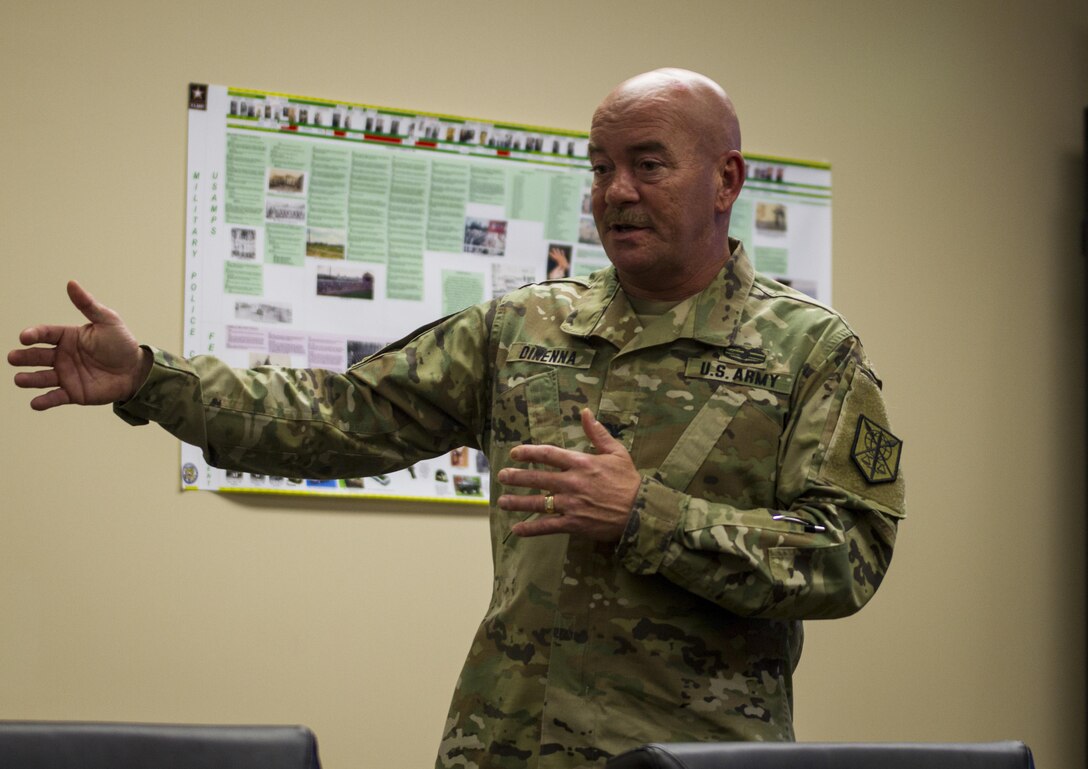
x=656 y=197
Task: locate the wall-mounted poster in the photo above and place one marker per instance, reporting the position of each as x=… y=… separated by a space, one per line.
x=319 y=231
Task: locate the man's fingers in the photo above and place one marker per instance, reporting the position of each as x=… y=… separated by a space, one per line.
x=529 y=479
x=563 y=459
x=553 y=524
x=530 y=503
x=36 y=379
x=41 y=335
x=32 y=356
x=49 y=400
x=598 y=434
x=543 y=454
x=52 y=334
x=86 y=304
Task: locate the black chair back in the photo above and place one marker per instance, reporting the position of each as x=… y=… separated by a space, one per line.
x=74 y=745
x=828 y=755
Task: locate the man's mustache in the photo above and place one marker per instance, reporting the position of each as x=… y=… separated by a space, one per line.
x=625 y=218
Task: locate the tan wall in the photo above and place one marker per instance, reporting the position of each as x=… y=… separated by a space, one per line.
x=954 y=132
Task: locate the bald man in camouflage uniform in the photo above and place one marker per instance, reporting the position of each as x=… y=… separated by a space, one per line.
x=688 y=459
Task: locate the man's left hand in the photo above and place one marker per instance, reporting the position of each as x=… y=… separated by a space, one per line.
x=591 y=494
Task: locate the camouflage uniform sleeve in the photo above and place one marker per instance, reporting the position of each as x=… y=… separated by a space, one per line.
x=417 y=398
x=824 y=549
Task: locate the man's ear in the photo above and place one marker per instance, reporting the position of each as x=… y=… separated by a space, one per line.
x=732 y=171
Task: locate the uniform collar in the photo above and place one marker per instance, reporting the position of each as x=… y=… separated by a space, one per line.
x=711 y=316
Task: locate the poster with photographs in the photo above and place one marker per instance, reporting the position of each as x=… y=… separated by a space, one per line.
x=318 y=231
x=783 y=217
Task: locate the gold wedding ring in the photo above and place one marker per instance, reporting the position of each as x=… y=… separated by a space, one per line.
x=549 y=504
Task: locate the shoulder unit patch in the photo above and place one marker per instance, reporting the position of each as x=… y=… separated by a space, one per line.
x=875 y=451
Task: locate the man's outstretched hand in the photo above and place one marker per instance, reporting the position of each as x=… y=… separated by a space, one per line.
x=96 y=363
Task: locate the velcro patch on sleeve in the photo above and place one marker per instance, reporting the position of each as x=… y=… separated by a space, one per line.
x=863 y=455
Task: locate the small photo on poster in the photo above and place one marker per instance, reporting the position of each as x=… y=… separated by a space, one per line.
x=468 y=485
x=243 y=243
x=486 y=237
x=459 y=457
x=507 y=277
x=765 y=173
x=587 y=232
x=284 y=181
x=324 y=243
x=344 y=283
x=559 y=257
x=285 y=211
x=771 y=217
x=359 y=349
x=263 y=312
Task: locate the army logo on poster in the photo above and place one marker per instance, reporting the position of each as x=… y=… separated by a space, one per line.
x=875 y=451
x=198 y=96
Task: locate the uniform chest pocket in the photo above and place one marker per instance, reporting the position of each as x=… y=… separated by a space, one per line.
x=730 y=420
x=528 y=411
x=741 y=465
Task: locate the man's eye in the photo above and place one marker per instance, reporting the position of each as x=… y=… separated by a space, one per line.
x=650 y=165
x=599 y=169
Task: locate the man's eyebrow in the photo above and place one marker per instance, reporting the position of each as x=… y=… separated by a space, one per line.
x=651 y=145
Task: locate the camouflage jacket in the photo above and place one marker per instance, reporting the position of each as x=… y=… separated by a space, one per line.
x=770 y=494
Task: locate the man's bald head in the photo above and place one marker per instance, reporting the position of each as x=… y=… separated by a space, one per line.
x=664 y=147
x=698 y=98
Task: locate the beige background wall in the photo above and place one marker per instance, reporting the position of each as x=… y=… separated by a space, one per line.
x=954 y=130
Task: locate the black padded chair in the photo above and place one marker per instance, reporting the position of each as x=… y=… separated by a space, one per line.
x=827 y=755
x=75 y=745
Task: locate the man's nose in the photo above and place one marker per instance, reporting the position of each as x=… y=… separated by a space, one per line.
x=621 y=189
